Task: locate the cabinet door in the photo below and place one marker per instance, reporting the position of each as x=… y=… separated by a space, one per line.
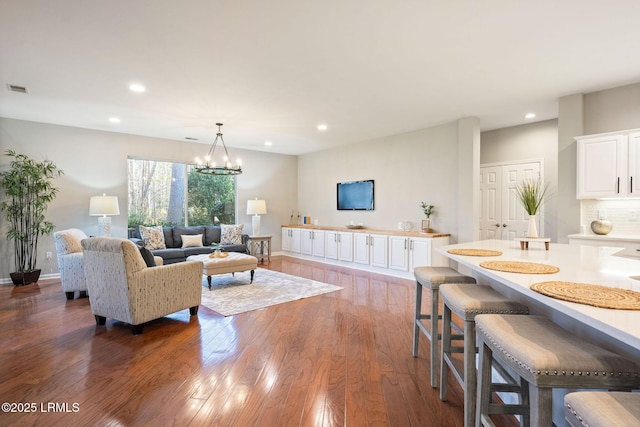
x=286 y=239
x=331 y=244
x=361 y=248
x=306 y=243
x=379 y=253
x=419 y=253
x=318 y=242
x=295 y=240
x=398 y=253
x=345 y=243
x=602 y=167
x=634 y=164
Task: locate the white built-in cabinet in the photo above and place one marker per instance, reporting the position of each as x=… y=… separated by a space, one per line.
x=608 y=165
x=312 y=242
x=291 y=240
x=370 y=249
x=375 y=251
x=339 y=245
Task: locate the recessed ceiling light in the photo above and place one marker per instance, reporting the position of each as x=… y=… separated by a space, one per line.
x=322 y=126
x=268 y=143
x=114 y=119
x=137 y=87
x=530 y=115
x=17 y=88
x=190 y=138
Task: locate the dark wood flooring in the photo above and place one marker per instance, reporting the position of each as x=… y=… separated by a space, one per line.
x=340 y=359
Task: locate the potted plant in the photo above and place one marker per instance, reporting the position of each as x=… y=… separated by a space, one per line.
x=531 y=193
x=27 y=193
x=428 y=211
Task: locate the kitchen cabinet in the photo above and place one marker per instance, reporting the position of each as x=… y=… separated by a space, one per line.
x=608 y=165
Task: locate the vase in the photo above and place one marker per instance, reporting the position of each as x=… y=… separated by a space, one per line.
x=601 y=226
x=21 y=278
x=533 y=228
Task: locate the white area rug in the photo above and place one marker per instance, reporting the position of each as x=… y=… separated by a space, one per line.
x=231 y=295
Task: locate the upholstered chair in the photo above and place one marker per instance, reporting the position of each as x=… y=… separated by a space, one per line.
x=122 y=287
x=70 y=261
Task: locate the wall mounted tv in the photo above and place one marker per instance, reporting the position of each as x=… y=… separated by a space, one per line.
x=355 y=195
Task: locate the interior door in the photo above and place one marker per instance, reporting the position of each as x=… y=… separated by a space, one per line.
x=491 y=202
x=501 y=213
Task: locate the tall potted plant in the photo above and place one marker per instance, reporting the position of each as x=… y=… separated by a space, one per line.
x=531 y=193
x=28 y=190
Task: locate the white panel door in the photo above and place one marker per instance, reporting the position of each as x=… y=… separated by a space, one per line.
x=491 y=202
x=398 y=253
x=379 y=253
x=419 y=253
x=306 y=246
x=501 y=213
x=331 y=244
x=361 y=248
x=318 y=242
x=634 y=164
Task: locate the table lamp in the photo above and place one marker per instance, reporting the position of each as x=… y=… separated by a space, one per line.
x=256 y=208
x=103 y=206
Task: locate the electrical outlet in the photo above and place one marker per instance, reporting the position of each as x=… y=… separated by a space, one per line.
x=48 y=256
x=602 y=214
x=632 y=215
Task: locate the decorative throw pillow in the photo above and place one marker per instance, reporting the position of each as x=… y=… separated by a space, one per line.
x=231 y=234
x=153 y=237
x=191 y=240
x=147 y=256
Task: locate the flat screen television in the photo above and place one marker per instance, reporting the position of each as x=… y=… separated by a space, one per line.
x=355 y=195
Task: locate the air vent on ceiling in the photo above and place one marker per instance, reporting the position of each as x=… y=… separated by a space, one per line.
x=16 y=88
x=190 y=138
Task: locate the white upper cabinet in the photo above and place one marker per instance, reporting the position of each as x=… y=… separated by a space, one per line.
x=608 y=165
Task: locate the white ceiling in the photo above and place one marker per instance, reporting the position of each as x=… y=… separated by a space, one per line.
x=273 y=70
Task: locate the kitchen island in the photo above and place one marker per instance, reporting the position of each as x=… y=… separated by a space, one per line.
x=617 y=330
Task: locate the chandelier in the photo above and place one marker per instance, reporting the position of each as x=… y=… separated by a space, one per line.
x=209 y=166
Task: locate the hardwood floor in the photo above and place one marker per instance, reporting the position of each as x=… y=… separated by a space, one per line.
x=339 y=359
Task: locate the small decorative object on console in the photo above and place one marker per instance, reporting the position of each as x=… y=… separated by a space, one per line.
x=601 y=226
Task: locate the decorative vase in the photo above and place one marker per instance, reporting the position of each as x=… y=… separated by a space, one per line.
x=533 y=228
x=601 y=226
x=426 y=226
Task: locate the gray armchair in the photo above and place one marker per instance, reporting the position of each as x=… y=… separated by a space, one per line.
x=122 y=287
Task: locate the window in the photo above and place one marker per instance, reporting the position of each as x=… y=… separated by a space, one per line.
x=165 y=193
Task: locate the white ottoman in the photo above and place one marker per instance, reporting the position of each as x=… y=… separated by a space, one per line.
x=232 y=263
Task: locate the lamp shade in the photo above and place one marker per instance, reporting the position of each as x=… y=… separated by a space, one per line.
x=256 y=207
x=103 y=205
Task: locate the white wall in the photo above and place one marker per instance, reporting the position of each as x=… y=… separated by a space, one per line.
x=407 y=168
x=95 y=162
x=530 y=141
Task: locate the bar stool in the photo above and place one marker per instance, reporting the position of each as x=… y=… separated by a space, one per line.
x=546 y=357
x=432 y=278
x=467 y=301
x=602 y=409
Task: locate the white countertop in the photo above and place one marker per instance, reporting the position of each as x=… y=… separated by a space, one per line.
x=605 y=237
x=577 y=263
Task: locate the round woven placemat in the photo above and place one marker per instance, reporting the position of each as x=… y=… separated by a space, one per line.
x=520 y=267
x=596 y=295
x=474 y=252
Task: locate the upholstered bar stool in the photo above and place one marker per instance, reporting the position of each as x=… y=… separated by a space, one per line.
x=467 y=301
x=546 y=357
x=431 y=278
x=602 y=409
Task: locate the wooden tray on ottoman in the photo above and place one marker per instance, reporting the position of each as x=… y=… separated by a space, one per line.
x=234 y=262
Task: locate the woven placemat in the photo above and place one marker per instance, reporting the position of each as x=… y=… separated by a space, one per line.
x=474 y=252
x=520 y=267
x=595 y=295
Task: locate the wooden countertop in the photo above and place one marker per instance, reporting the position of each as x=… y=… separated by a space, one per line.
x=370 y=231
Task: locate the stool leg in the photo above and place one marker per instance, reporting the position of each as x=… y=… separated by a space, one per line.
x=435 y=336
x=416 y=331
x=484 y=384
x=541 y=402
x=446 y=350
x=469 y=372
x=525 y=420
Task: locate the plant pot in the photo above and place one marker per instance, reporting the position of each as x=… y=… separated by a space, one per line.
x=533 y=227
x=21 y=278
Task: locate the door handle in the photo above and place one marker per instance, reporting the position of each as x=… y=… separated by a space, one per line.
x=504 y=225
x=618 y=190
x=497 y=225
